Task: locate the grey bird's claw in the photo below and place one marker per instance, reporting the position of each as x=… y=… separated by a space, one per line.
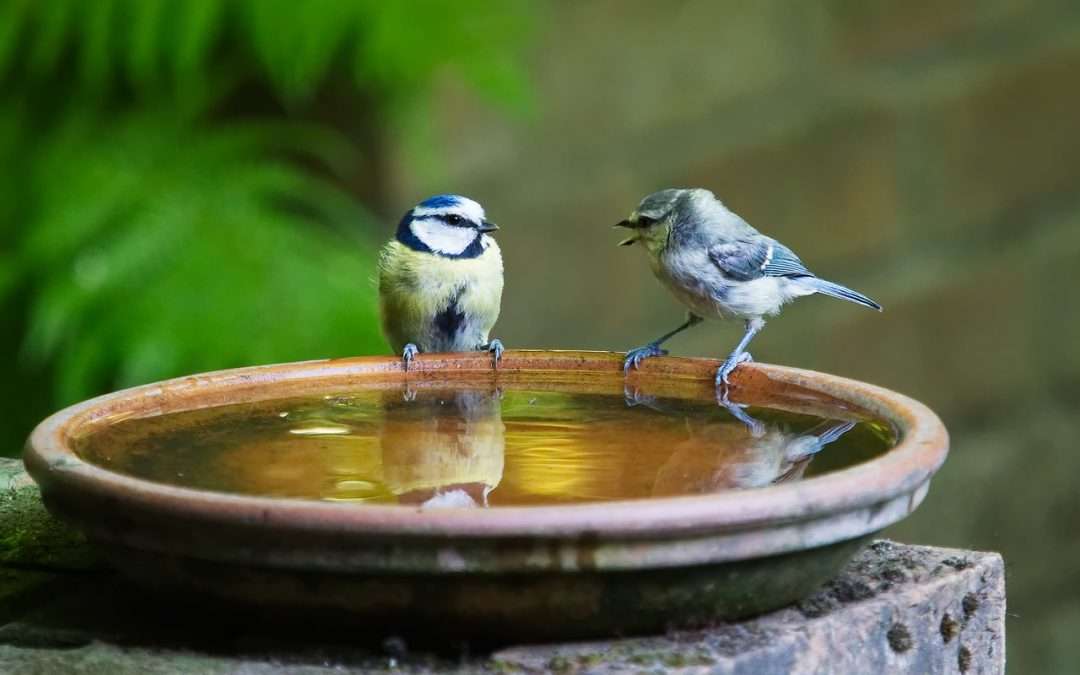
x=408 y=354
x=755 y=426
x=634 y=357
x=633 y=397
x=728 y=367
x=496 y=348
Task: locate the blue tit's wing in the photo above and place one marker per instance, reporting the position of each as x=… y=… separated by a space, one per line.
x=748 y=259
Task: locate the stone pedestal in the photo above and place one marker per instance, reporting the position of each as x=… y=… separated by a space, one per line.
x=895 y=609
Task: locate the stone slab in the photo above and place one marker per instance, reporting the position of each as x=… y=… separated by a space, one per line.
x=895 y=609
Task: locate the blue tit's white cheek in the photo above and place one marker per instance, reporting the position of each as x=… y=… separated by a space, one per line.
x=443 y=238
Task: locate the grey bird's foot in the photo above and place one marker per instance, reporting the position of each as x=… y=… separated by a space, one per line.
x=634 y=357
x=408 y=354
x=729 y=365
x=495 y=347
x=755 y=426
x=633 y=397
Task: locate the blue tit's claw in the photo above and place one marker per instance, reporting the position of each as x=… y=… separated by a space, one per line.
x=495 y=347
x=728 y=367
x=634 y=357
x=408 y=354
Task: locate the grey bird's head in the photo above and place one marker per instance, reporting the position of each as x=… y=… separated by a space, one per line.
x=660 y=213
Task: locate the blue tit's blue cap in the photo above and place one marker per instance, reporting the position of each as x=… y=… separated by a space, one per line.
x=440 y=201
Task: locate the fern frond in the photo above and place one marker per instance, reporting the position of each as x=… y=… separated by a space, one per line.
x=160 y=248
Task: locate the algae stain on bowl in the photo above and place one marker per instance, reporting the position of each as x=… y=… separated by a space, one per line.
x=470 y=447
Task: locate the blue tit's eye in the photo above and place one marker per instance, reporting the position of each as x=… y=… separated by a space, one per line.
x=645 y=221
x=454 y=219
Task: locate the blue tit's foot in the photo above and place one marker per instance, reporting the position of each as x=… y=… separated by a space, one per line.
x=728 y=367
x=634 y=357
x=408 y=354
x=496 y=349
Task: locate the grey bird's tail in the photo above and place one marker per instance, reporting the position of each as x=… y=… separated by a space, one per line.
x=838 y=291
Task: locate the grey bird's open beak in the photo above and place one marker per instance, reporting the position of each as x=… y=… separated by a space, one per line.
x=487 y=227
x=629 y=225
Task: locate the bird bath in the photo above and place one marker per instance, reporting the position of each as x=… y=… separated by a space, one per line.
x=550 y=499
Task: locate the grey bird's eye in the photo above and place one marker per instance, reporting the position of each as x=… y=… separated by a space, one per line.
x=454 y=219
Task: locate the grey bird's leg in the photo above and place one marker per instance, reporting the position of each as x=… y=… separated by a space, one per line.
x=740 y=355
x=496 y=348
x=754 y=425
x=634 y=357
x=408 y=354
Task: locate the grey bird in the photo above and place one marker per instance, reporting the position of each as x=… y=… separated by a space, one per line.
x=720 y=267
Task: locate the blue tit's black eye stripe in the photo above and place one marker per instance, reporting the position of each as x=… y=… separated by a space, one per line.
x=454 y=219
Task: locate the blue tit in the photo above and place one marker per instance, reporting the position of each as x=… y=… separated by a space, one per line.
x=441 y=280
x=443 y=449
x=720 y=267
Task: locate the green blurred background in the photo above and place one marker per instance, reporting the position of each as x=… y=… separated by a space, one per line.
x=197 y=184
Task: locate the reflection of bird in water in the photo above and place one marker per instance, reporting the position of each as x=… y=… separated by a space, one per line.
x=443 y=449
x=719 y=455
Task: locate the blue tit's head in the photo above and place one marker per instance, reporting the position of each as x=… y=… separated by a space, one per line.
x=451 y=226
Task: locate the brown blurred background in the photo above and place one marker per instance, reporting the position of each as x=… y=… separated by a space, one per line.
x=925 y=153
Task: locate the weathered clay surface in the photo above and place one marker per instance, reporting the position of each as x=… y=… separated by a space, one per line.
x=896 y=608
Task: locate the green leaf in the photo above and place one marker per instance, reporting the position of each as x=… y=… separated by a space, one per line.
x=146 y=30
x=296 y=42
x=53 y=22
x=181 y=258
x=194 y=29
x=96 y=41
x=13 y=20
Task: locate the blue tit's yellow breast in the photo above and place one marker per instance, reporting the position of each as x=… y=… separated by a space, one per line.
x=416 y=290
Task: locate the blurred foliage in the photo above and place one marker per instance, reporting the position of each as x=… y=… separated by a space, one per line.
x=178 y=178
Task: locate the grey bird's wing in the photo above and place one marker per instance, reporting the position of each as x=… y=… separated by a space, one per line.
x=748 y=259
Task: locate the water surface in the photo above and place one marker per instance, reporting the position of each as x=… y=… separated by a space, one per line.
x=482 y=447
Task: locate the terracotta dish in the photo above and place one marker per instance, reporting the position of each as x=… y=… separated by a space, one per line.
x=530 y=572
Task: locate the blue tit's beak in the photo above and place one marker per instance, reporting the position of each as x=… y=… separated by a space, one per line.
x=487 y=227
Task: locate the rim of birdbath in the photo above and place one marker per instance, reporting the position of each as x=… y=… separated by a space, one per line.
x=633 y=534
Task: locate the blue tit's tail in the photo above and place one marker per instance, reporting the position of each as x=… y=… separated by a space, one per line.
x=837 y=291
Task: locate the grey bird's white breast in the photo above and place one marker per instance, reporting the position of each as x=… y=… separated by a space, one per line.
x=700 y=285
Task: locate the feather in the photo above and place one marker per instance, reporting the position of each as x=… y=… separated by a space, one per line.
x=837 y=291
x=748 y=259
